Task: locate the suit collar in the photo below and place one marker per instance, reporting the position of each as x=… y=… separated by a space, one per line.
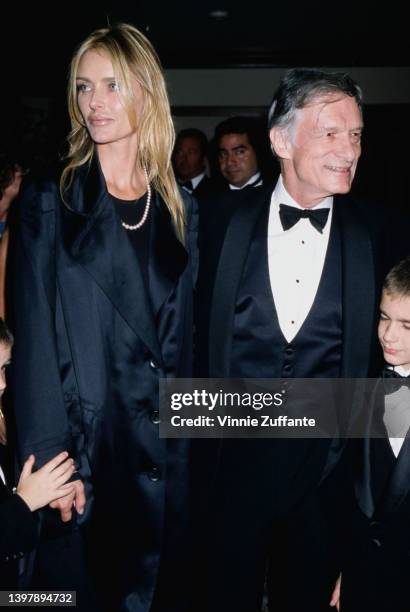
x=94 y=237
x=398 y=484
x=232 y=260
x=372 y=401
x=358 y=281
x=359 y=291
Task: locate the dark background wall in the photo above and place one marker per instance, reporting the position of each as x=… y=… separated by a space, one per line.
x=217 y=66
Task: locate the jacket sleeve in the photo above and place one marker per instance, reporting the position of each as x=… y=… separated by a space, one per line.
x=18 y=528
x=41 y=417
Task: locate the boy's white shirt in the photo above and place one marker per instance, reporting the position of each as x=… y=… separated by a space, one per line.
x=2 y=476
x=397 y=411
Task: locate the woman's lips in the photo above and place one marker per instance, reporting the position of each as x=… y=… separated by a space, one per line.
x=98 y=121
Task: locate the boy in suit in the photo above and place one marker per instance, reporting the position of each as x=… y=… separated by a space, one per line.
x=377 y=565
x=18 y=523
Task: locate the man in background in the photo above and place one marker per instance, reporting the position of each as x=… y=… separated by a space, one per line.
x=241 y=148
x=190 y=162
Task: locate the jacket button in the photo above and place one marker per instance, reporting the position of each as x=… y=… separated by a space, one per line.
x=376 y=542
x=153 y=365
x=154 y=474
x=155 y=417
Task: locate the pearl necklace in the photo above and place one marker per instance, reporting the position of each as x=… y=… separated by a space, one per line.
x=132 y=228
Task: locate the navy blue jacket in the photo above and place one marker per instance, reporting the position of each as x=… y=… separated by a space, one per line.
x=91 y=344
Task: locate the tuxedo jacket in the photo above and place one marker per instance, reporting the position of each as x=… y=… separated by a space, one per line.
x=91 y=343
x=227 y=237
x=381 y=480
x=377 y=522
x=205 y=188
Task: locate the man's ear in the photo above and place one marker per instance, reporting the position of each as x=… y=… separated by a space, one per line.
x=280 y=142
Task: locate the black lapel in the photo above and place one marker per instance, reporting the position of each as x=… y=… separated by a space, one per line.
x=168 y=257
x=399 y=483
x=371 y=421
x=4 y=491
x=229 y=271
x=359 y=290
x=106 y=253
x=362 y=482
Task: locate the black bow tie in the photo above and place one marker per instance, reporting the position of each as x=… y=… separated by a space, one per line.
x=289 y=216
x=187 y=185
x=389 y=373
x=388 y=376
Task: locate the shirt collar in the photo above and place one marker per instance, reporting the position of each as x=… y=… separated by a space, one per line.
x=194 y=181
x=197 y=179
x=400 y=370
x=253 y=179
x=281 y=196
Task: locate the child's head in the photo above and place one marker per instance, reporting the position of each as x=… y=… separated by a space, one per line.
x=6 y=343
x=394 y=324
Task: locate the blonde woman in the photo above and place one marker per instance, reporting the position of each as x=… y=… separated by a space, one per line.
x=103 y=311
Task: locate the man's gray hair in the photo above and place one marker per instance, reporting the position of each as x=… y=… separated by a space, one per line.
x=298 y=88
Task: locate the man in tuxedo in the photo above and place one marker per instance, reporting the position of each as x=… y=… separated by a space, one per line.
x=189 y=158
x=240 y=151
x=287 y=288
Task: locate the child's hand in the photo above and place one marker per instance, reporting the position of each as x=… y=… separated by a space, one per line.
x=47 y=484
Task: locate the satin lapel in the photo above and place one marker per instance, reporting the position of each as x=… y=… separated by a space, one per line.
x=362 y=483
x=233 y=256
x=399 y=483
x=99 y=243
x=358 y=290
x=373 y=401
x=4 y=491
x=168 y=257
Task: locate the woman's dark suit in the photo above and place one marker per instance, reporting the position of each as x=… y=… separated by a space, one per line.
x=91 y=345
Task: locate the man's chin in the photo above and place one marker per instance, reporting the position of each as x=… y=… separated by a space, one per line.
x=236 y=183
x=343 y=187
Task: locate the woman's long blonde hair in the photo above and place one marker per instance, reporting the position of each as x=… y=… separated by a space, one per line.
x=133 y=57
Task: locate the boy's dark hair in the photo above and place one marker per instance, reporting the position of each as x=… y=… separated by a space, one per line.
x=6 y=337
x=397 y=282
